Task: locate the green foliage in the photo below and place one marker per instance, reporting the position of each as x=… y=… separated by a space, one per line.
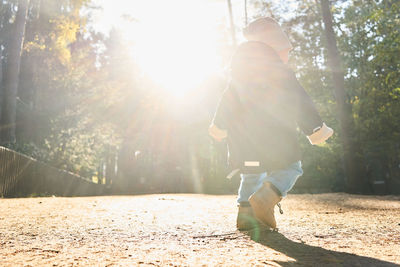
x=368 y=38
x=85 y=106
x=57 y=122
x=371 y=43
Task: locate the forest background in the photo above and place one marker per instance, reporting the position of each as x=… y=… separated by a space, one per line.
x=78 y=99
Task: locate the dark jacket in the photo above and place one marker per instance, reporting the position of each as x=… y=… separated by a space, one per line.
x=262 y=122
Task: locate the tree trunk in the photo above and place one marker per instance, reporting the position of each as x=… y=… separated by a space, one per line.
x=12 y=73
x=231 y=23
x=354 y=178
x=1 y=82
x=27 y=126
x=36 y=9
x=245 y=13
x=3 y=53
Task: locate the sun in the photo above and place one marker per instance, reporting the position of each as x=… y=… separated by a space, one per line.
x=176 y=43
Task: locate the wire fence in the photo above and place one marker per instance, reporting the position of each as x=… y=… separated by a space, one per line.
x=22 y=176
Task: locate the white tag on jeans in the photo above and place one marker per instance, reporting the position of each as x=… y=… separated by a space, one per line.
x=252 y=164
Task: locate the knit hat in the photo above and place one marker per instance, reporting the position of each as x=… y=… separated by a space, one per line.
x=268 y=31
x=254 y=61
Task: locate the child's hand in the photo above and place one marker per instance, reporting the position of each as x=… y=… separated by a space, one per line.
x=320 y=135
x=217 y=133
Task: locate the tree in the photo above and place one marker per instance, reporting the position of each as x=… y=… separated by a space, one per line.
x=231 y=21
x=355 y=182
x=370 y=42
x=12 y=71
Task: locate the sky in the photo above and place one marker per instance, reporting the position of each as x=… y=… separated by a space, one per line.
x=149 y=10
x=176 y=41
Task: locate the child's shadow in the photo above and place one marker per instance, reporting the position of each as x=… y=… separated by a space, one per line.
x=306 y=255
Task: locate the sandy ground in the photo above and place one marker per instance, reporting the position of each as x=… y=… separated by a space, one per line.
x=198 y=230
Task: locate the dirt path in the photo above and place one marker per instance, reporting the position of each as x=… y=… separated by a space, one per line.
x=196 y=230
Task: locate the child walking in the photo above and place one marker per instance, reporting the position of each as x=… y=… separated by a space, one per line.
x=258 y=115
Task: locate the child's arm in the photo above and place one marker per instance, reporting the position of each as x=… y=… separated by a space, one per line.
x=308 y=118
x=218 y=128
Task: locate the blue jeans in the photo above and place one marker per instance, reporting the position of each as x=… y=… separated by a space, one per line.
x=283 y=180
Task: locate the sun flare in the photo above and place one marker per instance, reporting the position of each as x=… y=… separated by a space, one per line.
x=176 y=49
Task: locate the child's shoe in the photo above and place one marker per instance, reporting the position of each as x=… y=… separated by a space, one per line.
x=245 y=218
x=263 y=202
